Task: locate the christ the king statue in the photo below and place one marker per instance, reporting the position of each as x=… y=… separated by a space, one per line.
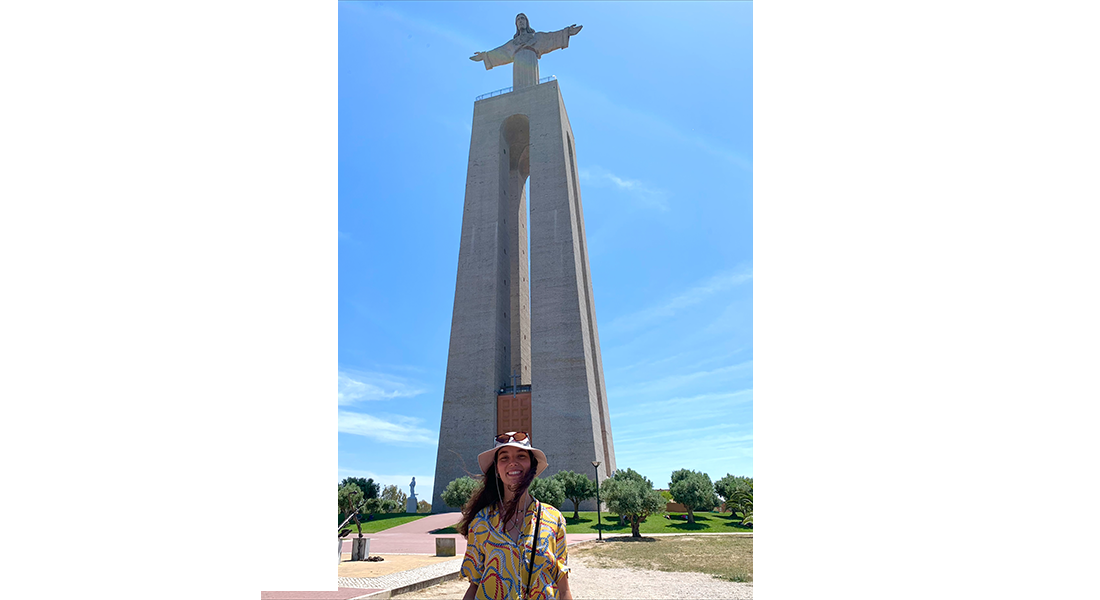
x=524 y=49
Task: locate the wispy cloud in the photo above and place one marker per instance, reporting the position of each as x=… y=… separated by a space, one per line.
x=652 y=409
x=627 y=438
x=397 y=429
x=716 y=450
x=648 y=122
x=696 y=294
x=641 y=191
x=678 y=380
x=434 y=31
x=715 y=456
x=358 y=386
x=462 y=128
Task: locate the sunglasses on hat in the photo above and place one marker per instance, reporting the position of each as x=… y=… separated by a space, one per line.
x=514 y=436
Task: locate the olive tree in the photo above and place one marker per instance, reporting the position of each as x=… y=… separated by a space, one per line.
x=632 y=496
x=578 y=488
x=694 y=490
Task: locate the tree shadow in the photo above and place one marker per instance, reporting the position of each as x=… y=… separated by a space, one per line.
x=618 y=540
x=733 y=522
x=442 y=530
x=689 y=526
x=607 y=525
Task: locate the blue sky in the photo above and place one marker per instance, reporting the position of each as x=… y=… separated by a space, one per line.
x=659 y=96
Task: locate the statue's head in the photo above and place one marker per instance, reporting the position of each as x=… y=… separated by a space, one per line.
x=523 y=25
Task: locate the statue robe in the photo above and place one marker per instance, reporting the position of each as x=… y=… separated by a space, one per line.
x=524 y=51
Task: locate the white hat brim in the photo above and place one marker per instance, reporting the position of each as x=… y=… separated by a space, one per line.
x=485 y=459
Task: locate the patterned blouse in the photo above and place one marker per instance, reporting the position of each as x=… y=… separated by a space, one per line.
x=499 y=566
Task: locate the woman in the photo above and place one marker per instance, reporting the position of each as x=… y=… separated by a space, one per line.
x=501 y=521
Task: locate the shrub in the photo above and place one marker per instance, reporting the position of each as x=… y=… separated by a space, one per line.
x=458 y=492
x=551 y=491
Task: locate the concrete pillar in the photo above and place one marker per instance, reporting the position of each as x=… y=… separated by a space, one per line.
x=542 y=327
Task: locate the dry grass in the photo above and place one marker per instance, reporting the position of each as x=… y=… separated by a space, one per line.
x=728 y=557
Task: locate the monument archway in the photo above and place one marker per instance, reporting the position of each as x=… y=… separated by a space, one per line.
x=524 y=343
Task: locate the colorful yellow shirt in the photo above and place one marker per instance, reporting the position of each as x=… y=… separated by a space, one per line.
x=499 y=566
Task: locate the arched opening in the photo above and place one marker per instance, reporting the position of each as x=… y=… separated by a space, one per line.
x=515 y=169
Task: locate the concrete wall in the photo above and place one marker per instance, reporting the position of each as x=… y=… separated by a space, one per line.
x=548 y=335
x=569 y=406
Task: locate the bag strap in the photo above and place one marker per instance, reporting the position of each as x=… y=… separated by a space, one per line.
x=534 y=543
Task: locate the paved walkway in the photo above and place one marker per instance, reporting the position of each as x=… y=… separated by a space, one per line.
x=414 y=538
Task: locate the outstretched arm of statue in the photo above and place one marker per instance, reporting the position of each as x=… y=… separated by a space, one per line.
x=495 y=57
x=554 y=40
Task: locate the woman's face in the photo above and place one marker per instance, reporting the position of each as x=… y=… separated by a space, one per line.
x=513 y=465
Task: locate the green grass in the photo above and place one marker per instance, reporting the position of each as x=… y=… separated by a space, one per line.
x=707 y=522
x=381 y=522
x=727 y=557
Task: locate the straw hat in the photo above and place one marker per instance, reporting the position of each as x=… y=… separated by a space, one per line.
x=486 y=458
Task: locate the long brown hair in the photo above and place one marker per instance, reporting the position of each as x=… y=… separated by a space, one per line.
x=491 y=494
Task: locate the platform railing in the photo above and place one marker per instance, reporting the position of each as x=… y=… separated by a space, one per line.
x=519 y=389
x=509 y=89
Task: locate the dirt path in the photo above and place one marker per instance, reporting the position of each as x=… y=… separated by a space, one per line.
x=391 y=563
x=593 y=583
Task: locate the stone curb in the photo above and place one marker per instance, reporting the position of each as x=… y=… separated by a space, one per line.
x=406 y=581
x=452 y=575
x=411 y=587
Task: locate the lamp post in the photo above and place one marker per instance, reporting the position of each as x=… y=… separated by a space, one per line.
x=599 y=523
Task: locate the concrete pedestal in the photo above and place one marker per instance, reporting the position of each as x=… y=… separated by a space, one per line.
x=444 y=546
x=360 y=548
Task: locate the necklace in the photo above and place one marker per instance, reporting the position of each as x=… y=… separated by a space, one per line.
x=516 y=522
x=514 y=525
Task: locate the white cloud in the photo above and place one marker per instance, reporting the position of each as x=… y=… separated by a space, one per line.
x=397 y=430
x=655 y=409
x=678 y=380
x=647 y=122
x=695 y=435
x=434 y=31
x=357 y=386
x=645 y=193
x=700 y=292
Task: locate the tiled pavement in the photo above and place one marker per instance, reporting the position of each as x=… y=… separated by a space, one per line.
x=410 y=538
x=401 y=579
x=341 y=593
